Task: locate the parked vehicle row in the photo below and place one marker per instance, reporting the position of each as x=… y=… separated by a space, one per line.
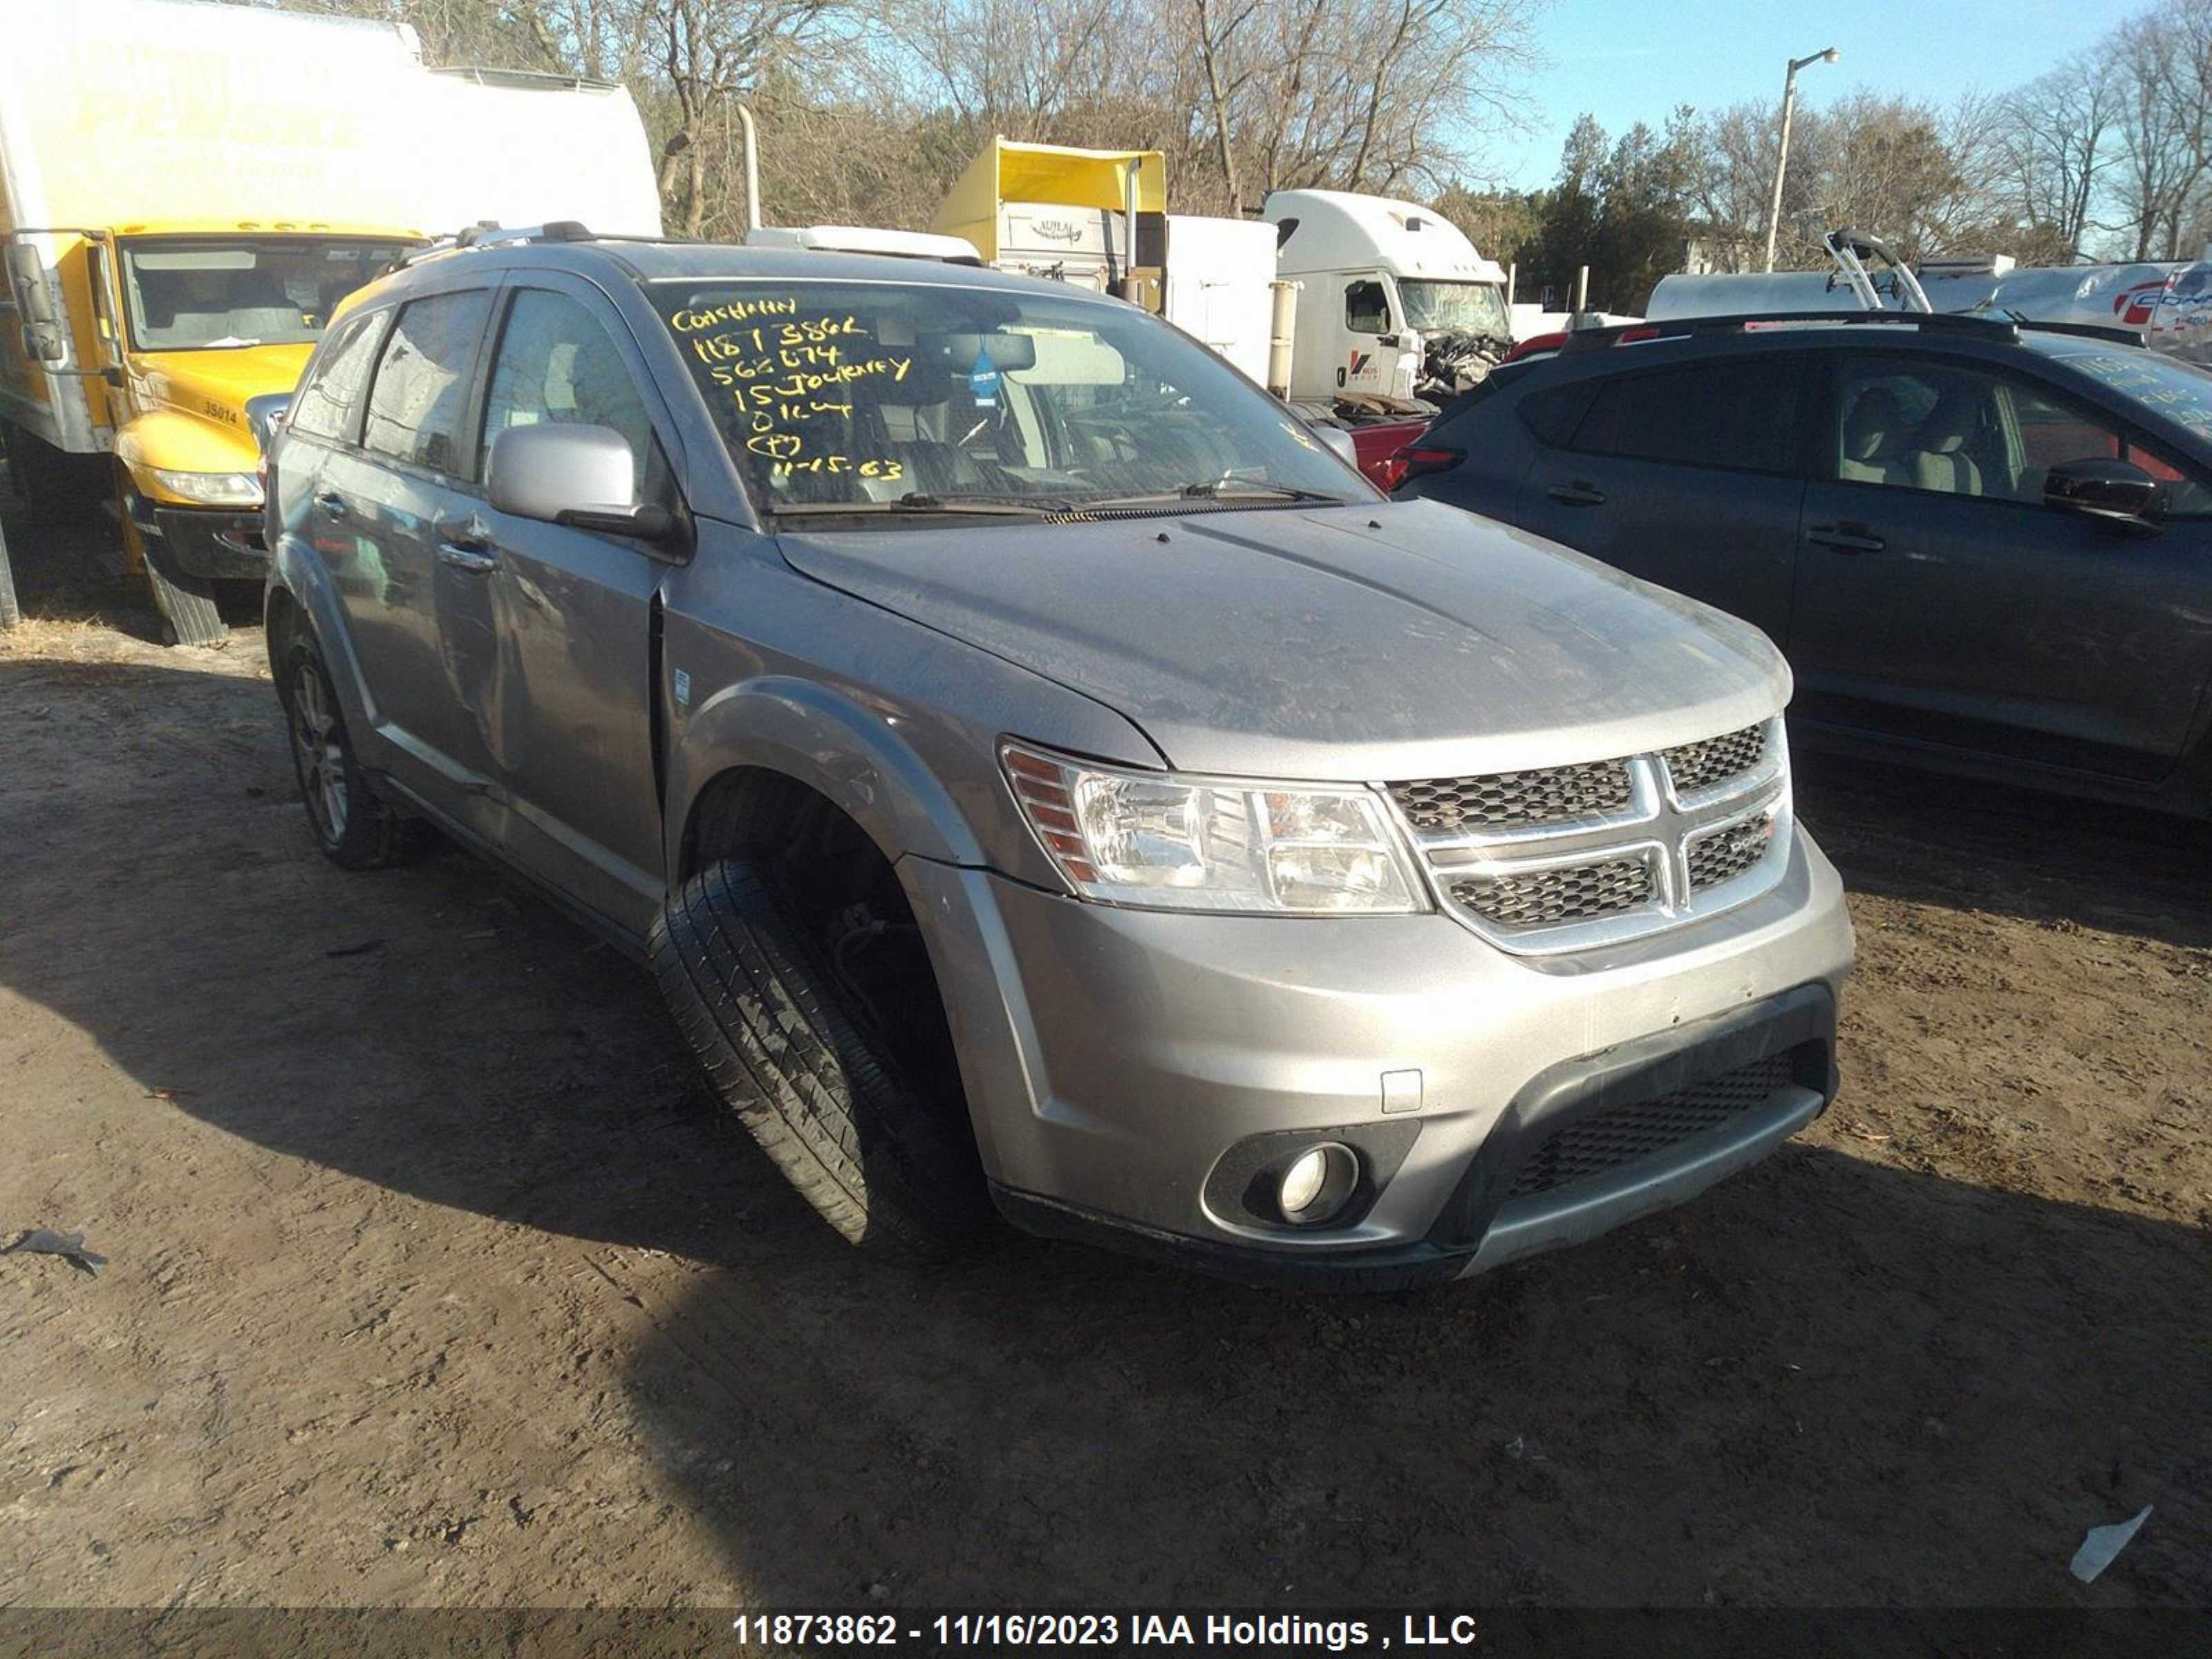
x=1984 y=547
x=1045 y=780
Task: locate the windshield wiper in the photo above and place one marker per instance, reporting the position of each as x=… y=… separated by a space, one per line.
x=1229 y=488
x=916 y=501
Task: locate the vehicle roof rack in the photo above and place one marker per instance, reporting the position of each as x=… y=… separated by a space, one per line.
x=1931 y=322
x=2119 y=333
x=487 y=233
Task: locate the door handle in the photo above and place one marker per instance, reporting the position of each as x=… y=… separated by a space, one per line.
x=1576 y=493
x=332 y=504
x=476 y=560
x=1846 y=536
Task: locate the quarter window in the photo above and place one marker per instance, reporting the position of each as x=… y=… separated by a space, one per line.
x=1738 y=414
x=558 y=367
x=415 y=407
x=326 y=406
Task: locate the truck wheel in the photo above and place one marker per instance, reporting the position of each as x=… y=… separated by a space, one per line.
x=892 y=1170
x=356 y=828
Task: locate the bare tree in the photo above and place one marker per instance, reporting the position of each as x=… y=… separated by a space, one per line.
x=2056 y=145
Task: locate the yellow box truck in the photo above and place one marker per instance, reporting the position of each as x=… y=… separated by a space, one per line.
x=186 y=191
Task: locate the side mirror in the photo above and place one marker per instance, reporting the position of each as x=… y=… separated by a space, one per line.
x=579 y=476
x=2118 y=492
x=264 y=413
x=44 y=339
x=1339 y=442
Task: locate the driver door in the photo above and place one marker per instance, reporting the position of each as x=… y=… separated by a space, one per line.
x=1938 y=601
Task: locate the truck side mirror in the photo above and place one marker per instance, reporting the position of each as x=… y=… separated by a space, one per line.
x=580 y=476
x=44 y=340
x=2118 y=492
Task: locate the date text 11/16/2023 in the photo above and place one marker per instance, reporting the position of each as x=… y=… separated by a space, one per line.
x=1277 y=1631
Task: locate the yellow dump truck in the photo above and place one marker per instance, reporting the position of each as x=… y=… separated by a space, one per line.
x=186 y=192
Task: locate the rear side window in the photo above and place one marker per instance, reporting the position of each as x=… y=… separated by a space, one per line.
x=414 y=408
x=1552 y=415
x=1738 y=414
x=329 y=405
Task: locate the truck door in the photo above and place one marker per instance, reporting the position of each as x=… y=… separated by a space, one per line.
x=558 y=644
x=1368 y=359
x=107 y=393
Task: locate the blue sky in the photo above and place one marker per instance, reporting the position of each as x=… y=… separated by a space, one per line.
x=1627 y=61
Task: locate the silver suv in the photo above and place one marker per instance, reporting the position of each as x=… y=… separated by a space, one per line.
x=1047 y=782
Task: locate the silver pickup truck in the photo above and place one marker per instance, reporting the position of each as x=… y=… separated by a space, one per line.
x=1047 y=782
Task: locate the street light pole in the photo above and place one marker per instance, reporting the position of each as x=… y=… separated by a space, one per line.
x=1781 y=157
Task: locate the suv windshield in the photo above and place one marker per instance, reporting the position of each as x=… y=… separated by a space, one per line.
x=2181 y=391
x=186 y=294
x=928 y=395
x=1435 y=307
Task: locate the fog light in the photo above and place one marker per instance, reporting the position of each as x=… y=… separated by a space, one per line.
x=1316 y=1183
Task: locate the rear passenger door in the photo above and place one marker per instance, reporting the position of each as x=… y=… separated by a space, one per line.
x=1686 y=475
x=381 y=512
x=1938 y=599
x=555 y=635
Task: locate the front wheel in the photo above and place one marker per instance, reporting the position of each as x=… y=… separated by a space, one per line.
x=886 y=1159
x=355 y=828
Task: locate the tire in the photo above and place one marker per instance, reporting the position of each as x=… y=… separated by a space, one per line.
x=356 y=828
x=887 y=1166
x=52 y=485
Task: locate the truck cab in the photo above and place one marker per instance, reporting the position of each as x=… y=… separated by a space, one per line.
x=168 y=332
x=1396 y=303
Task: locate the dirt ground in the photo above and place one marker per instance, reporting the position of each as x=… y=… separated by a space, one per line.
x=434 y=1280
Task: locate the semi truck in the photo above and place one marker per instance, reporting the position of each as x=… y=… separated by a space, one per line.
x=187 y=191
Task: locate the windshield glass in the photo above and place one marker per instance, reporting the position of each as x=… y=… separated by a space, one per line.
x=1435 y=307
x=188 y=293
x=869 y=394
x=2180 y=392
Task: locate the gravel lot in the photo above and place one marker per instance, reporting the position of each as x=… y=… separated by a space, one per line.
x=436 y=1280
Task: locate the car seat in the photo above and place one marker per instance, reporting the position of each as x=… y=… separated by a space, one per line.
x=1874 y=441
x=1940 y=461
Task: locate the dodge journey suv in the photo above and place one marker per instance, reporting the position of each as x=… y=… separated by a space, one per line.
x=1044 y=778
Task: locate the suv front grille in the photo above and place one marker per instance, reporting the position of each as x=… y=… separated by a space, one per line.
x=1628 y=1134
x=1565 y=858
x=1551 y=795
x=1699 y=765
x=1727 y=853
x=1546 y=898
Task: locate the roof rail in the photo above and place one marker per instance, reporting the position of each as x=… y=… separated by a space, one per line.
x=2118 y=333
x=487 y=232
x=1932 y=322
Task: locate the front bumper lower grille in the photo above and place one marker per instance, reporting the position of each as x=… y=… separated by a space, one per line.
x=1597 y=852
x=1647 y=1128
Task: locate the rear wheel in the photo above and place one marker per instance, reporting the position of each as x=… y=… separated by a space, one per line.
x=789 y=1042
x=355 y=828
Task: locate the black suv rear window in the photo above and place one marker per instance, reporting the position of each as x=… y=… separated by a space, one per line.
x=1740 y=414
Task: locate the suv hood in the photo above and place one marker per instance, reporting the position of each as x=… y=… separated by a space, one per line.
x=1372 y=641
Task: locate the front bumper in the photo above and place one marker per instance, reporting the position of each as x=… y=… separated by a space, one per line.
x=220 y=543
x=1116 y=1060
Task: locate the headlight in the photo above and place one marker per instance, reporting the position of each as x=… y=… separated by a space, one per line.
x=1164 y=842
x=212 y=488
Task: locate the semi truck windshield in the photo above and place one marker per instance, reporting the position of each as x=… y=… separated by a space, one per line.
x=1438 y=307
x=187 y=293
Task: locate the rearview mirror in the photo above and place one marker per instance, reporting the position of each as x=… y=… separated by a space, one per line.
x=580 y=476
x=2118 y=492
x=44 y=338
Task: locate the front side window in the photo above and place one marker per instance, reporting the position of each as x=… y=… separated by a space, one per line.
x=1738 y=414
x=195 y=293
x=326 y=406
x=1366 y=308
x=1441 y=307
x=926 y=395
x=1955 y=430
x=414 y=407
x=557 y=366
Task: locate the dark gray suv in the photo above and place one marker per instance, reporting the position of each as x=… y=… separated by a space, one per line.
x=1044 y=778
x=1984 y=547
